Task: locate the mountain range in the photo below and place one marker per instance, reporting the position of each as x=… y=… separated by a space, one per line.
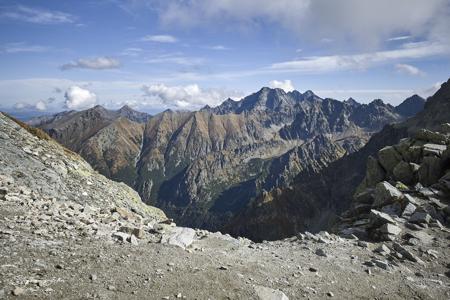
x=227 y=167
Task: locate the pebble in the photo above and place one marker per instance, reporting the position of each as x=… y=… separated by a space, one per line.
x=321 y=252
x=363 y=244
x=18 y=291
x=330 y=294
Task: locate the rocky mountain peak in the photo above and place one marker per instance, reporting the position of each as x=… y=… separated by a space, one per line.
x=377 y=102
x=309 y=94
x=126 y=108
x=411 y=106
x=352 y=102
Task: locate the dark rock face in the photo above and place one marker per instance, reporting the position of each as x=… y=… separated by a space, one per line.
x=411 y=106
x=207 y=168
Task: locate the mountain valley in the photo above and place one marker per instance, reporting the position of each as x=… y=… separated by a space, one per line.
x=204 y=168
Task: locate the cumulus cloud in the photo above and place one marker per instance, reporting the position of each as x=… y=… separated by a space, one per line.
x=367 y=22
x=319 y=64
x=408 y=69
x=20 y=106
x=97 y=63
x=36 y=15
x=285 y=85
x=79 y=98
x=185 y=97
x=41 y=105
x=159 y=38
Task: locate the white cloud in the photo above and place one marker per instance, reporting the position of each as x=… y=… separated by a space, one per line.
x=97 y=63
x=184 y=97
x=22 y=48
x=365 y=22
x=218 y=48
x=132 y=51
x=36 y=15
x=175 y=58
x=285 y=85
x=408 y=69
x=319 y=64
x=20 y=106
x=79 y=98
x=41 y=105
x=399 y=38
x=159 y=38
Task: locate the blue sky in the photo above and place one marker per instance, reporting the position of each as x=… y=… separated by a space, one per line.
x=160 y=54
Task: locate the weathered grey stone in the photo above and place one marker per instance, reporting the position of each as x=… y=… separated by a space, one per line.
x=406 y=253
x=404 y=172
x=414 y=154
x=445 y=128
x=433 y=149
x=265 y=293
x=394 y=209
x=121 y=236
x=420 y=217
x=18 y=291
x=378 y=218
x=385 y=193
x=430 y=136
x=363 y=244
x=179 y=236
x=422 y=236
x=389 y=158
x=321 y=252
x=3 y=192
x=124 y=213
x=390 y=229
x=445 y=181
x=133 y=240
x=408 y=210
x=365 y=197
x=381 y=264
x=430 y=170
x=138 y=232
x=411 y=199
x=375 y=172
x=383 y=250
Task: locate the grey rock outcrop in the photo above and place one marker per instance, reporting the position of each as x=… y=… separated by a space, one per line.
x=412 y=204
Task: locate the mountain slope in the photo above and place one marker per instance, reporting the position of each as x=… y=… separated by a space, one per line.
x=204 y=167
x=46 y=168
x=314 y=200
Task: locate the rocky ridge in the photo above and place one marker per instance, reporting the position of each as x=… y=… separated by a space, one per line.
x=405 y=190
x=203 y=168
x=314 y=200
